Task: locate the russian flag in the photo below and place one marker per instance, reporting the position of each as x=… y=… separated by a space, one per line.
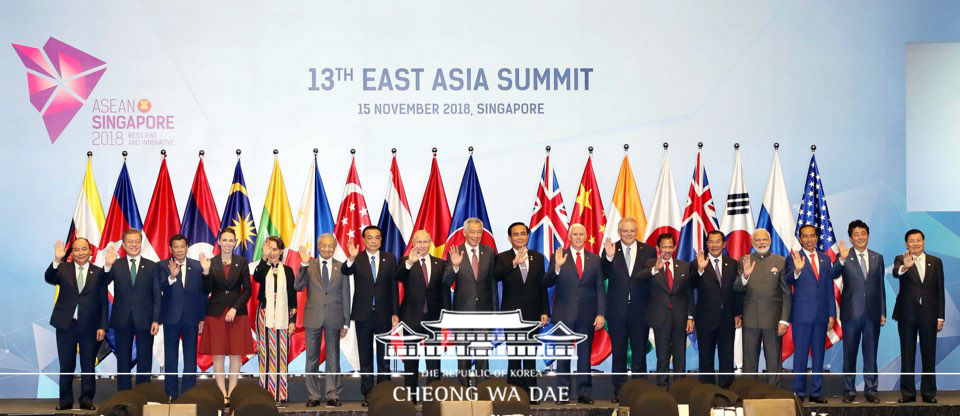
x=776 y=214
x=201 y=223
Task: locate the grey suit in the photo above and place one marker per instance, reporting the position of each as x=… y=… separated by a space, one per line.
x=326 y=312
x=765 y=304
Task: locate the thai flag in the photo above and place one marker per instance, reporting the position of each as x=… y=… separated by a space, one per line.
x=395 y=222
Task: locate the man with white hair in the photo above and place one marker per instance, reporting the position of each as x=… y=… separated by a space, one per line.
x=766 y=305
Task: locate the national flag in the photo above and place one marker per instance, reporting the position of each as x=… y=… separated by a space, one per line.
x=201 y=222
x=275 y=220
x=666 y=209
x=238 y=215
x=161 y=223
x=775 y=212
x=313 y=219
x=434 y=214
x=813 y=211
x=352 y=218
x=625 y=203
x=699 y=215
x=395 y=222
x=588 y=211
x=470 y=204
x=737 y=222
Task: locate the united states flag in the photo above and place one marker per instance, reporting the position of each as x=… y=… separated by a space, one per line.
x=813 y=211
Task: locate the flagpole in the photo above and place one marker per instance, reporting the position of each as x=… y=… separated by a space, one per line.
x=238 y=154
x=201 y=154
x=813 y=148
x=626 y=148
x=470 y=150
x=124 y=153
x=163 y=152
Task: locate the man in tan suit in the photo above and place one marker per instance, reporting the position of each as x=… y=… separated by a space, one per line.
x=766 y=306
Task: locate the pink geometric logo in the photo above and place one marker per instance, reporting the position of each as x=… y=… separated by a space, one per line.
x=60 y=78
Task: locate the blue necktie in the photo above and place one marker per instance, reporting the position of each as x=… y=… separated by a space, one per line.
x=373 y=269
x=324 y=274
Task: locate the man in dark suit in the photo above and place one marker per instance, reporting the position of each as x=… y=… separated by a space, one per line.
x=374 y=303
x=718 y=309
x=626 y=301
x=670 y=307
x=182 y=308
x=521 y=271
x=136 y=307
x=79 y=317
x=423 y=297
x=918 y=312
x=470 y=268
x=863 y=308
x=579 y=303
x=813 y=311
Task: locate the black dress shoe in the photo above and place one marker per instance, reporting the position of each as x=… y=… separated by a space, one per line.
x=873 y=399
x=534 y=402
x=64 y=405
x=848 y=399
x=313 y=403
x=334 y=403
x=931 y=400
x=817 y=399
x=365 y=403
x=585 y=400
x=906 y=400
x=563 y=402
x=800 y=398
x=87 y=406
x=616 y=399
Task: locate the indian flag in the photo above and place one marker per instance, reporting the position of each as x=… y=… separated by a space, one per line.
x=626 y=203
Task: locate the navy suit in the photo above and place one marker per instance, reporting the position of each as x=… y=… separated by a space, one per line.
x=90 y=306
x=577 y=302
x=862 y=303
x=136 y=305
x=812 y=304
x=183 y=307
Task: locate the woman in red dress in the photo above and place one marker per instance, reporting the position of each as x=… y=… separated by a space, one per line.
x=226 y=328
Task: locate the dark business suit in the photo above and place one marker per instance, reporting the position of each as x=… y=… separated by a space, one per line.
x=577 y=302
x=374 y=302
x=920 y=304
x=182 y=308
x=422 y=301
x=227 y=292
x=717 y=306
x=90 y=306
x=626 y=304
x=811 y=306
x=529 y=295
x=136 y=305
x=473 y=292
x=862 y=303
x=668 y=309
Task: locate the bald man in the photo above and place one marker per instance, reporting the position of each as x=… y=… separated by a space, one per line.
x=423 y=297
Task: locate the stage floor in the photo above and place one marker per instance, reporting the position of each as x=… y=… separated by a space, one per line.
x=949 y=404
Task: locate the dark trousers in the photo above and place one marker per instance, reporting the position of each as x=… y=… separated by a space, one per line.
x=68 y=342
x=772 y=343
x=482 y=370
x=521 y=373
x=809 y=340
x=366 y=330
x=584 y=387
x=124 y=338
x=172 y=335
x=855 y=332
x=630 y=332
x=413 y=366
x=719 y=340
x=670 y=340
x=927 y=331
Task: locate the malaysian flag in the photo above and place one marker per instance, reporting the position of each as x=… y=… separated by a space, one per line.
x=699 y=216
x=813 y=211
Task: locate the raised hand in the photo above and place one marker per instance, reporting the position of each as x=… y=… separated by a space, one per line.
x=520 y=257
x=748 y=264
x=559 y=257
x=908 y=260
x=702 y=261
x=609 y=247
x=456 y=256
x=205 y=263
x=844 y=250
x=304 y=252
x=59 y=251
x=354 y=250
x=173 y=268
x=798 y=260
x=111 y=255
x=660 y=264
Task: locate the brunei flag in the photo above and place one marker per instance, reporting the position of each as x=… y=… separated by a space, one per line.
x=88 y=219
x=434 y=214
x=239 y=216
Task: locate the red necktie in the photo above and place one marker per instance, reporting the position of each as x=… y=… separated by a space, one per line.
x=669 y=276
x=475 y=262
x=579 y=266
x=813 y=264
x=423 y=269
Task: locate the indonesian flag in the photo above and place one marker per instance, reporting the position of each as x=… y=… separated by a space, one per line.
x=665 y=217
x=434 y=214
x=737 y=221
x=162 y=222
x=588 y=211
x=352 y=218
